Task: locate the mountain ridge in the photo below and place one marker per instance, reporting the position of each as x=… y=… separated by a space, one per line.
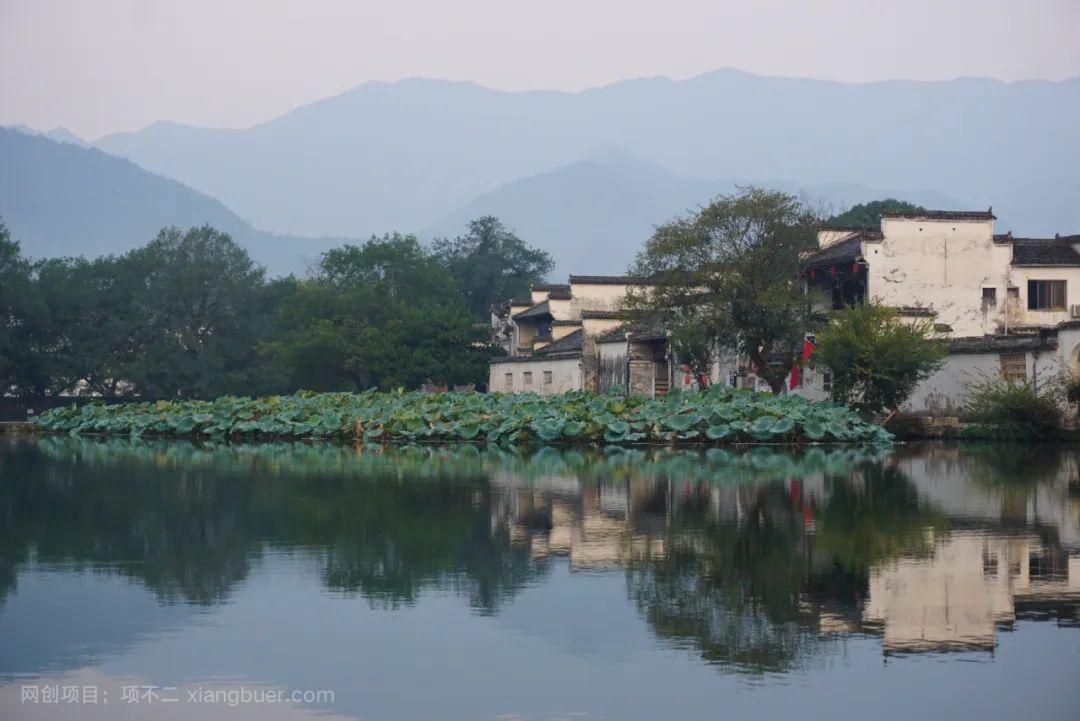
x=61 y=199
x=405 y=155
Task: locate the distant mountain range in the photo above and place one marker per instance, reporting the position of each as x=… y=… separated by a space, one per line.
x=584 y=175
x=58 y=198
x=59 y=134
x=407 y=154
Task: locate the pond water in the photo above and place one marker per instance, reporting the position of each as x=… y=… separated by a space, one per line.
x=165 y=580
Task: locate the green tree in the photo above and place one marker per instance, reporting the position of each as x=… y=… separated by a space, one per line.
x=490 y=264
x=21 y=315
x=196 y=315
x=876 y=357
x=383 y=314
x=729 y=273
x=868 y=215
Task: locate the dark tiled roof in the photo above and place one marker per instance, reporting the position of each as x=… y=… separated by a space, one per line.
x=538 y=310
x=850 y=228
x=997 y=343
x=538 y=356
x=1045 y=251
x=604 y=314
x=557 y=323
x=521 y=301
x=555 y=291
x=943 y=214
x=638 y=332
x=915 y=311
x=847 y=250
x=572 y=342
x=609 y=280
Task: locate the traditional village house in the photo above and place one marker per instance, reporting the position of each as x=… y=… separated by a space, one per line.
x=1006 y=306
x=553 y=334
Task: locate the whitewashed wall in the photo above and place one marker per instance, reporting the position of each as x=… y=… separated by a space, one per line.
x=943 y=264
x=566 y=375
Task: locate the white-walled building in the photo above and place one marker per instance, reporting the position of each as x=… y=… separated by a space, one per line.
x=1007 y=306
x=551 y=337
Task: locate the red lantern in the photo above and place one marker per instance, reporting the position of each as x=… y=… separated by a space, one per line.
x=855 y=268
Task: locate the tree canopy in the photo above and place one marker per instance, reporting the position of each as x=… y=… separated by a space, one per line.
x=385 y=313
x=726 y=277
x=877 y=358
x=490 y=264
x=865 y=215
x=191 y=315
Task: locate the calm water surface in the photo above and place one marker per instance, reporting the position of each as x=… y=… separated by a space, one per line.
x=173 y=581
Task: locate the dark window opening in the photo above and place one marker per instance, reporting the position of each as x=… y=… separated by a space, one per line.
x=848 y=293
x=543 y=328
x=1046 y=295
x=989 y=298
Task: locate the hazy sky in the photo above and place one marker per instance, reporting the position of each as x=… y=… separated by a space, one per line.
x=98 y=66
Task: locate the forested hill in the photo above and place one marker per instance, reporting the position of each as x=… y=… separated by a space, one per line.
x=58 y=199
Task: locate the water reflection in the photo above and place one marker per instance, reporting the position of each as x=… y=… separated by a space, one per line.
x=755 y=562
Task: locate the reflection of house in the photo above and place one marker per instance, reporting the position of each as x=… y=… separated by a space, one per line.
x=1007 y=306
x=972 y=585
x=594 y=528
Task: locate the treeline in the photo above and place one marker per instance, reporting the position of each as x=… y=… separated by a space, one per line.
x=191 y=315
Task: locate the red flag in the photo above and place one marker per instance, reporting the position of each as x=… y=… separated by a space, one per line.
x=796 y=369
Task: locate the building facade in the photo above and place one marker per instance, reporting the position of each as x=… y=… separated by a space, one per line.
x=1006 y=306
x=553 y=337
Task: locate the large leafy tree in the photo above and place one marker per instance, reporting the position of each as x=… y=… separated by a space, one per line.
x=877 y=358
x=864 y=215
x=385 y=313
x=728 y=274
x=490 y=264
x=196 y=315
x=22 y=315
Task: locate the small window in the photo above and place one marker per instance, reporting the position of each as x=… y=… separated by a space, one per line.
x=1014 y=293
x=1014 y=367
x=826 y=381
x=528 y=378
x=989 y=298
x=1046 y=295
x=547 y=378
x=508 y=379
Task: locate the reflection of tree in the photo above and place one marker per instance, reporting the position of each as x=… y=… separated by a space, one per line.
x=188 y=520
x=870 y=517
x=749 y=590
x=1014 y=471
x=390 y=541
x=181 y=535
x=753 y=549
x=732 y=588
